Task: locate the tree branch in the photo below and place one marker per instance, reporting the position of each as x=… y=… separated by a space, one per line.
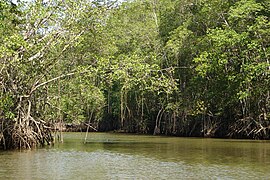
x=34 y=88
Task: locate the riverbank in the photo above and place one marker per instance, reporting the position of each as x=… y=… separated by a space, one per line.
x=197 y=131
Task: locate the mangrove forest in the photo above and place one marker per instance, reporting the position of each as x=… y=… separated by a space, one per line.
x=190 y=68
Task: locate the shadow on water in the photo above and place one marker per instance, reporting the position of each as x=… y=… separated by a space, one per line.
x=119 y=143
x=175 y=149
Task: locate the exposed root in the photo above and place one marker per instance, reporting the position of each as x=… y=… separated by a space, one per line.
x=250 y=128
x=24 y=132
x=210 y=127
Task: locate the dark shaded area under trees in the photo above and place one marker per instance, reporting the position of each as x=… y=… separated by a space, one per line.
x=173 y=67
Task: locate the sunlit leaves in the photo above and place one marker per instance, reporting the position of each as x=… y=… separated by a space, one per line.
x=245 y=10
x=237 y=55
x=178 y=40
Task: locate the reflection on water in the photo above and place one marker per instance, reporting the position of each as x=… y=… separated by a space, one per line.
x=121 y=156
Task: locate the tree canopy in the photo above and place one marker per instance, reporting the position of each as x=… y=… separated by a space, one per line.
x=174 y=67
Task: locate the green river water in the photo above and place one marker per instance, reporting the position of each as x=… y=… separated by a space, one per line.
x=125 y=156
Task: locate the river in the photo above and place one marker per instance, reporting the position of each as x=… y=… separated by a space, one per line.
x=126 y=156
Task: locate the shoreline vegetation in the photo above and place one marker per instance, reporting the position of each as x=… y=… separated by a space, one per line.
x=195 y=68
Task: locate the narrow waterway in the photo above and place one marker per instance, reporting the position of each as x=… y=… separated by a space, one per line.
x=125 y=156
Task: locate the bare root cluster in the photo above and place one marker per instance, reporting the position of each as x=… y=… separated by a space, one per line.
x=24 y=131
x=250 y=128
x=24 y=135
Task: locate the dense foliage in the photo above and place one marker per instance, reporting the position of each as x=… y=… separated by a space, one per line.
x=174 y=67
